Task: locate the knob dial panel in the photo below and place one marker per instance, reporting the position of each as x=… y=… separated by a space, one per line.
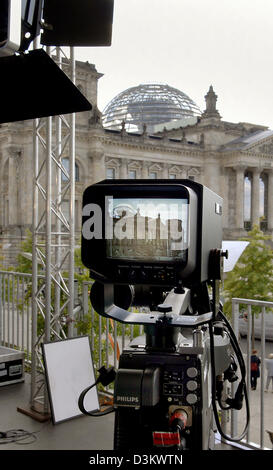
x=192 y=385
x=192 y=372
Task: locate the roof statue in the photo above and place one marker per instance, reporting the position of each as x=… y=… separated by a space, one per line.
x=95 y=118
x=211 y=99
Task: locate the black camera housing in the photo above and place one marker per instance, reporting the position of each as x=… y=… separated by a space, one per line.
x=204 y=233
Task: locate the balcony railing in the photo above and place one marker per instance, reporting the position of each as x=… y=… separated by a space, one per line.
x=107 y=338
x=263 y=307
x=15 y=311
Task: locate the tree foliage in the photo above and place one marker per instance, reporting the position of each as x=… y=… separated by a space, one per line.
x=24 y=264
x=252 y=276
x=1 y=256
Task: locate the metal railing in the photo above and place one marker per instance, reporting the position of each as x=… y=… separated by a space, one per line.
x=107 y=337
x=260 y=409
x=15 y=311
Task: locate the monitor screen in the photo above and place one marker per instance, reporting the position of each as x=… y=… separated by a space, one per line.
x=147 y=229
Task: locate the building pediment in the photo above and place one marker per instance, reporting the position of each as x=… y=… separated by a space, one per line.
x=193 y=172
x=258 y=142
x=134 y=165
x=174 y=169
x=112 y=162
x=155 y=167
x=266 y=148
x=263 y=144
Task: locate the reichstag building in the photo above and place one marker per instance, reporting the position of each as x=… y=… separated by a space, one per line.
x=148 y=131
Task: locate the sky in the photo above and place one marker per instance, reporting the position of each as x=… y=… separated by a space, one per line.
x=190 y=45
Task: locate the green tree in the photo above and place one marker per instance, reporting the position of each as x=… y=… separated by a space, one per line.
x=252 y=276
x=1 y=256
x=24 y=262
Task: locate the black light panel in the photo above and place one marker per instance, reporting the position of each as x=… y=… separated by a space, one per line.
x=34 y=86
x=77 y=22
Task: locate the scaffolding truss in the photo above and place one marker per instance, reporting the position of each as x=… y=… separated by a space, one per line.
x=53 y=234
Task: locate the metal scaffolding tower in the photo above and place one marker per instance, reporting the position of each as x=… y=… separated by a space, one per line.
x=53 y=234
x=53 y=220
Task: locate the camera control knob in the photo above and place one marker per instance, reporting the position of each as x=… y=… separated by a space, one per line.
x=191 y=398
x=132 y=275
x=164 y=308
x=143 y=275
x=192 y=385
x=192 y=372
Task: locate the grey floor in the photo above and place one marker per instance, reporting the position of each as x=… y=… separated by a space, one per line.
x=80 y=433
x=75 y=442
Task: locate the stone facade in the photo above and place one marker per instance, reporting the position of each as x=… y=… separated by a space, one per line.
x=233 y=159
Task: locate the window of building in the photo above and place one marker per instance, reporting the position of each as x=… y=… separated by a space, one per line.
x=152 y=175
x=65 y=163
x=191 y=177
x=110 y=173
x=172 y=177
x=262 y=198
x=247 y=198
x=132 y=174
x=66 y=212
x=65 y=209
x=6 y=211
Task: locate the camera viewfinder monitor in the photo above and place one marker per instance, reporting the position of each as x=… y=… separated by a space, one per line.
x=149 y=232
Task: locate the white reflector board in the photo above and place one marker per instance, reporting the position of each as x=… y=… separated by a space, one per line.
x=235 y=249
x=69 y=370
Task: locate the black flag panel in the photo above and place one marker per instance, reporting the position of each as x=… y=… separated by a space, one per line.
x=77 y=22
x=33 y=86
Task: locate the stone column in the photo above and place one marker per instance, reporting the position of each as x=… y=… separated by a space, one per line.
x=14 y=187
x=183 y=173
x=98 y=166
x=123 y=169
x=240 y=183
x=165 y=171
x=224 y=184
x=255 y=197
x=201 y=176
x=212 y=172
x=145 y=170
x=27 y=179
x=270 y=201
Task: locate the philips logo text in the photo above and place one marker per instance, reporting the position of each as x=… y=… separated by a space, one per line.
x=127 y=399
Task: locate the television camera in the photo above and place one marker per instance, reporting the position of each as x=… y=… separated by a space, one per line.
x=157 y=244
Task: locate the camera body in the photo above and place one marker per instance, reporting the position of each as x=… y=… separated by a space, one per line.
x=157 y=244
x=155 y=386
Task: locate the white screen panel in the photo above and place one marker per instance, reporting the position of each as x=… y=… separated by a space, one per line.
x=69 y=370
x=235 y=250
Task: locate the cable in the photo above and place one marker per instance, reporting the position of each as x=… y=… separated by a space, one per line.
x=241 y=387
x=18 y=435
x=240 y=358
x=89 y=413
x=232 y=378
x=106 y=376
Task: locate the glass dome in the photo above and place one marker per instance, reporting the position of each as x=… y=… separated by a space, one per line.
x=148 y=104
